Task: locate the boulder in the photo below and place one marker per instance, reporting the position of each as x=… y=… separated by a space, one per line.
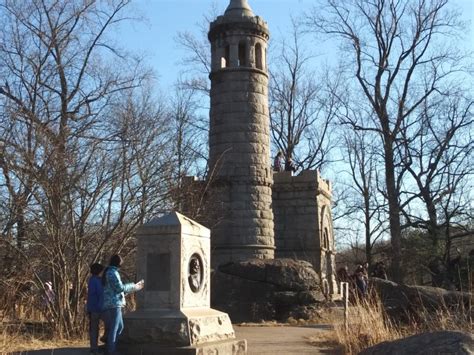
x=285 y=274
x=256 y=290
x=442 y=342
x=305 y=312
x=310 y=297
x=401 y=299
x=244 y=300
x=286 y=298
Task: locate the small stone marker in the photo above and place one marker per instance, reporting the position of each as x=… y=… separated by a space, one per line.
x=173 y=311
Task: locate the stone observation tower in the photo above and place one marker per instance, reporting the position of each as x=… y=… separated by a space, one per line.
x=252 y=211
x=239 y=141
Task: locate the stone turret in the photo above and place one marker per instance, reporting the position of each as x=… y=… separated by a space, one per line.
x=239 y=141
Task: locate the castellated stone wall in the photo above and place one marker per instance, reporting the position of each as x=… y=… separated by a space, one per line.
x=303 y=222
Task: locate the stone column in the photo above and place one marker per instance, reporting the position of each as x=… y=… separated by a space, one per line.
x=239 y=144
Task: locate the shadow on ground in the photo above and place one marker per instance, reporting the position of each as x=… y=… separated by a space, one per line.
x=59 y=351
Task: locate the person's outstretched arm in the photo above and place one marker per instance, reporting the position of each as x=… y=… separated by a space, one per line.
x=118 y=286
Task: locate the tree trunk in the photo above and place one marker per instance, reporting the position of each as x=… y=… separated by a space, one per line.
x=393 y=211
x=368 y=236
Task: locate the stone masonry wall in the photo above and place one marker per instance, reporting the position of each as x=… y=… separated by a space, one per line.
x=302 y=217
x=239 y=137
x=239 y=145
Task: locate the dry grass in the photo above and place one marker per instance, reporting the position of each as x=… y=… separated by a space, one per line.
x=25 y=342
x=370 y=325
x=327 y=342
x=442 y=319
x=15 y=337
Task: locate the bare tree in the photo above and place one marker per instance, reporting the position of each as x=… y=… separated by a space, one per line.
x=197 y=61
x=399 y=60
x=437 y=154
x=79 y=157
x=367 y=202
x=188 y=132
x=301 y=109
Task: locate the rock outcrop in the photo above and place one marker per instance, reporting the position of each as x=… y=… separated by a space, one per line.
x=443 y=342
x=400 y=300
x=276 y=289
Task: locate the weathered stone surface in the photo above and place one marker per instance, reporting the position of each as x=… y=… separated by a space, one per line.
x=303 y=223
x=243 y=299
x=286 y=298
x=256 y=290
x=400 y=300
x=285 y=274
x=312 y=296
x=239 y=135
x=306 y=312
x=293 y=275
x=177 y=328
x=443 y=342
x=177 y=315
x=239 y=154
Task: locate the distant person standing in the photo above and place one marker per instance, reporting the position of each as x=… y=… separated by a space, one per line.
x=49 y=295
x=380 y=271
x=278 y=162
x=361 y=281
x=366 y=271
x=49 y=298
x=95 y=303
x=114 y=300
x=290 y=165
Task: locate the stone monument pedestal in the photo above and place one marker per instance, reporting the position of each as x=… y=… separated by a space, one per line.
x=173 y=313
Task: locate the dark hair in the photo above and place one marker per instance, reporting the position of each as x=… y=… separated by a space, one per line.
x=115 y=260
x=96 y=268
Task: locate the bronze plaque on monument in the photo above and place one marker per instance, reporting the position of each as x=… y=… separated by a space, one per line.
x=158 y=272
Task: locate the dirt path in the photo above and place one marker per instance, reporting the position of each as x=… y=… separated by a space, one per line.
x=261 y=340
x=287 y=340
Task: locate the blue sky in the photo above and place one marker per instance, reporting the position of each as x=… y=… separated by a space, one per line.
x=155 y=37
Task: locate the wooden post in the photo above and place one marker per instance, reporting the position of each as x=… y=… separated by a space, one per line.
x=345 y=298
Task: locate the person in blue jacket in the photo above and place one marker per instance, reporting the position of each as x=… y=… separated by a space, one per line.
x=114 y=300
x=95 y=300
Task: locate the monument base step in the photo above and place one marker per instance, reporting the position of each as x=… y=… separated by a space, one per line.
x=186 y=327
x=228 y=347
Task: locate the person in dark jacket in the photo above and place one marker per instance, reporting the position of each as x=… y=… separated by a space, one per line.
x=278 y=162
x=114 y=300
x=361 y=281
x=95 y=300
x=380 y=271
